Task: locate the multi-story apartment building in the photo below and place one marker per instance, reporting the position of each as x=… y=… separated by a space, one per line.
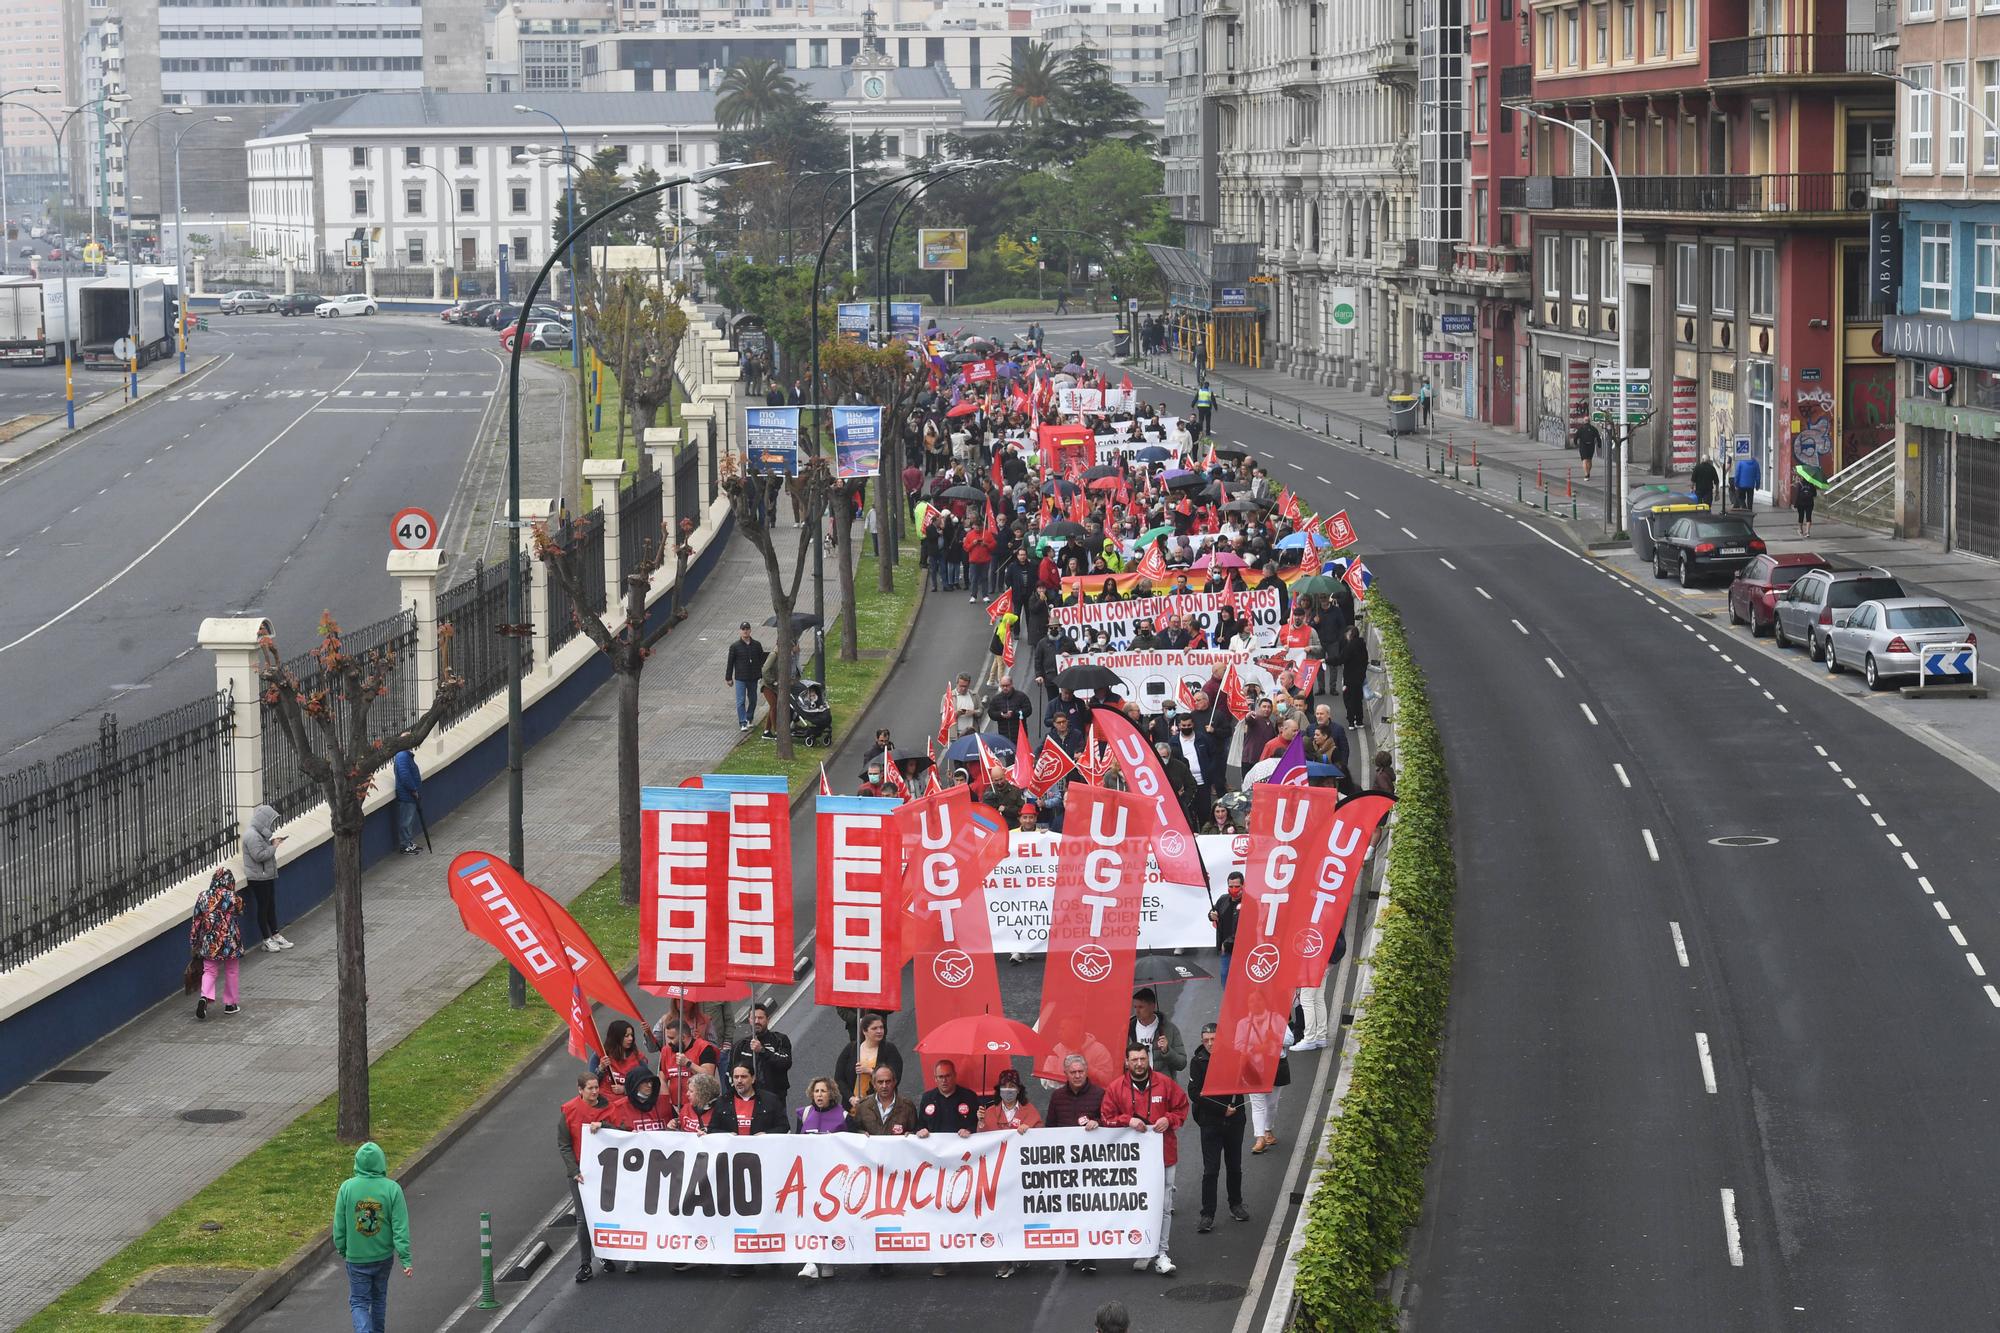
x=1943 y=273
x=684 y=55
x=536 y=46
x=1746 y=137
x=31 y=55
x=1127 y=35
x=1187 y=146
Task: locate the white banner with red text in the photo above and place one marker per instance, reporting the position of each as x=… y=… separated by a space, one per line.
x=1120 y=620
x=1021 y=894
x=659 y=1197
x=1152 y=676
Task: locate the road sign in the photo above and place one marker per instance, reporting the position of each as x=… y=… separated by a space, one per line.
x=1132 y=304
x=412 y=530
x=1950 y=659
x=123 y=349
x=1631 y=418
x=1444 y=356
x=1455 y=323
x=1739 y=446
x=1633 y=388
x=1236 y=296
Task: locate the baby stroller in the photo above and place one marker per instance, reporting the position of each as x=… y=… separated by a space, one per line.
x=812 y=717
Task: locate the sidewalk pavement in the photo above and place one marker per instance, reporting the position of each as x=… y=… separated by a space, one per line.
x=91 y=408
x=111 y=1158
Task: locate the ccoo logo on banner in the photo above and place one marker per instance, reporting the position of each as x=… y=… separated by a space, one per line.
x=1057 y=1193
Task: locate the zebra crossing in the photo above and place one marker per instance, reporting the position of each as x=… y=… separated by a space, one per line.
x=426 y=395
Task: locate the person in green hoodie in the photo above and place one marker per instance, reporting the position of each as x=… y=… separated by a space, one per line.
x=371 y=1226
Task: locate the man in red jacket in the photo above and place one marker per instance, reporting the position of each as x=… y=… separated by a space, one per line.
x=1150 y=1101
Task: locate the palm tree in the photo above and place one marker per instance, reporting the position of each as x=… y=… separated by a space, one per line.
x=753 y=91
x=1031 y=90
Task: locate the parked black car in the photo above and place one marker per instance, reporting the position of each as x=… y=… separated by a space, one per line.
x=470 y=312
x=298 y=303
x=1697 y=546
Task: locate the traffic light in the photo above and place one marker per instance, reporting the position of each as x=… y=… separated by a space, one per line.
x=1034 y=238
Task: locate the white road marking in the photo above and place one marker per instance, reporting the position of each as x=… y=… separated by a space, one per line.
x=1288 y=463
x=1760 y=685
x=1680 y=945
x=1943 y=915
x=1592 y=717
x=1909 y=861
x=1707 y=1064
x=1727 y=658
x=1550 y=660
x=1730 y=1230
x=1957 y=936
x=1411 y=535
x=1447 y=564
x=1739 y=667
x=1924 y=883
x=1350 y=495
x=1482 y=592
x=1835 y=767
x=10 y=555
x=1861 y=797
x=1820 y=750
x=1848 y=783
x=1879 y=821
x=1783 y=709
x=1519 y=626
x=1993 y=995
x=1652 y=848
x=1894 y=841
x=1321 y=480
x=1619 y=769
x=1385 y=517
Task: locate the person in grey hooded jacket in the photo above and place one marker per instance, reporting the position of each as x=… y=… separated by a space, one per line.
x=260 y=869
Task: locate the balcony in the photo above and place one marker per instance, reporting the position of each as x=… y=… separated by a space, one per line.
x=1502 y=270
x=1513 y=192
x=1517 y=83
x=1790 y=196
x=1394 y=60
x=1786 y=57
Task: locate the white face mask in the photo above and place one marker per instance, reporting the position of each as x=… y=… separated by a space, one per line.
x=1009 y=1094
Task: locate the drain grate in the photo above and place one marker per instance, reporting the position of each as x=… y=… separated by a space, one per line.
x=196 y=1292
x=74 y=1076
x=210 y=1115
x=1205 y=1293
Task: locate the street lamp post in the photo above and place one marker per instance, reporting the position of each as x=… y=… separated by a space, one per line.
x=569 y=227
x=906 y=193
x=129 y=129
x=56 y=132
x=516 y=741
x=448 y=218
x=1621 y=429
x=4 y=212
x=885 y=248
x=180 y=229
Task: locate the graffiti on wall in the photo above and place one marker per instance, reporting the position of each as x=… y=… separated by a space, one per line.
x=1812 y=409
x=1868 y=409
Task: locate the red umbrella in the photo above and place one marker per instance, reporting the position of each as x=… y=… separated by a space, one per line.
x=983 y=1035
x=964 y=407
x=1108 y=484
x=1222 y=560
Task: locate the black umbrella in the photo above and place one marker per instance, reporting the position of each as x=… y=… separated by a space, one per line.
x=1231 y=451
x=963 y=358
x=801 y=620
x=1220 y=490
x=1062 y=486
x=911 y=762
x=1101 y=470
x=1064 y=528
x=1187 y=481
x=966 y=748
x=1100 y=681
x=972 y=493
x=1166 y=970
x=1243 y=507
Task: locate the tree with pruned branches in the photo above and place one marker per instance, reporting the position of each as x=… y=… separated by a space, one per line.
x=749 y=502
x=325 y=720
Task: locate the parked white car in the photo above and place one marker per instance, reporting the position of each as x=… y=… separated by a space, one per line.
x=353 y=303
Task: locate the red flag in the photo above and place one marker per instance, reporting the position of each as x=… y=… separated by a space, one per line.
x=1287 y=830
x=757 y=877
x=1173 y=840
x=825 y=787
x=1051 y=766
x=683 y=896
x=503 y=909
x=1233 y=695
x=1023 y=775
x=1152 y=565
x=892 y=774
x=936 y=786
x=1184 y=694
x=1184 y=506
x=1288 y=505
x=594 y=974
x=999 y=606
x=1309 y=561
x=1340 y=531
x=1125 y=383
x=989 y=762
x=999 y=477
x=1094 y=924
x=1359 y=580
x=1079 y=512
x=947 y=714
x=858 y=943
x=1340 y=860
x=952 y=844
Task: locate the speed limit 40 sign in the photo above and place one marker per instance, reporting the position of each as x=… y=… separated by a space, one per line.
x=413 y=530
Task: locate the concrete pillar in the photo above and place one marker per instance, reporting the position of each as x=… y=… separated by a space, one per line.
x=663 y=445
x=368 y=276
x=195 y=277
x=416 y=575
x=603 y=476
x=532 y=512
x=437 y=279
x=234 y=642
x=698 y=414
x=291 y=275
x=721 y=399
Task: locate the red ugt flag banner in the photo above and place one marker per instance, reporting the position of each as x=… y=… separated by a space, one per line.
x=683 y=893
x=1340 y=531
x=858 y=946
x=757 y=877
x=503 y=909
x=951 y=845
x=1287 y=832
x=1173 y=841
x=1340 y=857
x=1094 y=926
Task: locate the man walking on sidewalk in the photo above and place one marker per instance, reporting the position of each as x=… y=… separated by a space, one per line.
x=409 y=798
x=745 y=665
x=1586 y=439
x=1424 y=401
x=371 y=1227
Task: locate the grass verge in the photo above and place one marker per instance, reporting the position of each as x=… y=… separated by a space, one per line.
x=1373 y=1189
x=604 y=423
x=279 y=1197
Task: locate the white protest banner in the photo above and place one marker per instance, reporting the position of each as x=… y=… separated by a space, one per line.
x=1119 y=620
x=1021 y=891
x=662 y=1197
x=1120 y=400
x=1109 y=447
x=1153 y=676
x=1072 y=401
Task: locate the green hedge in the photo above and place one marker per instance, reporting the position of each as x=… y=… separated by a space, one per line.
x=1373 y=1188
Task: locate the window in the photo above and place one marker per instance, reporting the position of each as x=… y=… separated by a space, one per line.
x=673 y=153
x=1917 y=146
x=1660 y=25
x=520 y=249
x=357 y=157
x=1687 y=273
x=1954 y=7
x=1548 y=43
x=1763 y=414
x=1479 y=215
x=516 y=152
x=1600 y=50
x=413 y=200
x=1934 y=268
x=413 y=157
x=1479 y=104
x=1986 y=271
x=467 y=199
x=1572 y=57
x=1722 y=279
x=1579 y=268
x=464 y=156
x=1628 y=29
x=1989 y=102
x=1763 y=284
x=1608 y=286
x=1552 y=282
x=1689 y=22
x=416 y=249
x=1954 y=116
x=519 y=202
x=1923 y=9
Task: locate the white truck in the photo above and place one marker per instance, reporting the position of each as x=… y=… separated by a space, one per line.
x=23 y=323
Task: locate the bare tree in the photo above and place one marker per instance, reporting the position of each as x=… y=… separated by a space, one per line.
x=750 y=502
x=890 y=377
x=636 y=328
x=627 y=648
x=332 y=709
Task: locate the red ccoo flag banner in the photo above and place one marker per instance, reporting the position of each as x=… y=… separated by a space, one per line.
x=1340 y=531
x=1094 y=925
x=1173 y=841
x=1340 y=859
x=951 y=845
x=683 y=893
x=858 y=943
x=1287 y=833
x=503 y=909
x=758 y=877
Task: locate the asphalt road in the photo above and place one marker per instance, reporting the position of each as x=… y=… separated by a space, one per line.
x=264 y=486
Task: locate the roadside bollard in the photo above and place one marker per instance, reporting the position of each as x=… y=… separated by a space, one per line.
x=1427 y=455
x=1477 y=479
x=486 y=1298
x=1569 y=482
x=1517 y=488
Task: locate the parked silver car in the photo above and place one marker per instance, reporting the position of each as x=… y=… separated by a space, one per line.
x=247 y=300
x=1887 y=637
x=1822 y=598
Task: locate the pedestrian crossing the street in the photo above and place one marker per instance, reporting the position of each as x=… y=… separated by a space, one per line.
x=212 y=395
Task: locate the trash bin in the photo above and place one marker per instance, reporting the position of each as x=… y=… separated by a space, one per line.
x=1121 y=342
x=1656 y=507
x=1403 y=413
